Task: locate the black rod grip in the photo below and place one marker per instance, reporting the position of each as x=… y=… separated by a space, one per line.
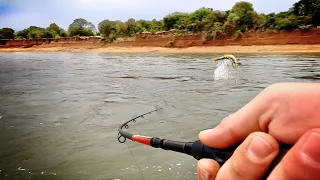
x=174 y=146
x=200 y=151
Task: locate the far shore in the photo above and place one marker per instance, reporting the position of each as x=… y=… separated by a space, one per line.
x=269 y=49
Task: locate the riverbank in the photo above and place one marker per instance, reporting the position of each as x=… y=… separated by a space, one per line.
x=207 y=49
x=297 y=41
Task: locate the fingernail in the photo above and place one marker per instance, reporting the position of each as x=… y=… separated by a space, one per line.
x=210 y=131
x=205 y=132
x=310 y=148
x=203 y=174
x=259 y=148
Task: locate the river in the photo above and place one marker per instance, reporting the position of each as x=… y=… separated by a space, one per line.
x=60 y=111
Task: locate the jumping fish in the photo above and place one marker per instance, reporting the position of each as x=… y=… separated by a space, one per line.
x=230 y=57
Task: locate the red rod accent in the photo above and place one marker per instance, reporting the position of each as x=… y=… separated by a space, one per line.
x=141 y=139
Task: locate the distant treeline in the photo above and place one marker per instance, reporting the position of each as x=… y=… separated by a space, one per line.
x=215 y=24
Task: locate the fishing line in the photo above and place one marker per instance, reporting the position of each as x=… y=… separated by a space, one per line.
x=134 y=159
x=195 y=149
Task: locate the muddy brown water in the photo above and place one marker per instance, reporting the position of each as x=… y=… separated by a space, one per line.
x=60 y=111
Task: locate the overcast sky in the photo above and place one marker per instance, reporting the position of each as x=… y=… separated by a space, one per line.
x=20 y=14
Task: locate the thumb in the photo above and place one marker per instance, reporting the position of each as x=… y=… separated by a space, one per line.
x=254 y=116
x=302 y=161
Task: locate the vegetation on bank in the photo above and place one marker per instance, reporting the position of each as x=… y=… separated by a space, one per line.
x=214 y=24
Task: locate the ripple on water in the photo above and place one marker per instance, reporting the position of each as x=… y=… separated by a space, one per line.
x=66 y=88
x=310 y=77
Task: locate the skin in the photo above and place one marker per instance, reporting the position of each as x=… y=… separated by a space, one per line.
x=288 y=113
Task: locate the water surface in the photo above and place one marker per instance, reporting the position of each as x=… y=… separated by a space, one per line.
x=60 y=111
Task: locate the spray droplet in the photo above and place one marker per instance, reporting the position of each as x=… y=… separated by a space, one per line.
x=159 y=170
x=42 y=173
x=21 y=169
x=179 y=164
x=195 y=173
x=170 y=169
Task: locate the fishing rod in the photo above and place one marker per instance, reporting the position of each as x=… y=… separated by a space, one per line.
x=195 y=149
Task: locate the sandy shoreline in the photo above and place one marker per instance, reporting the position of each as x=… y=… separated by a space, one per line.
x=191 y=50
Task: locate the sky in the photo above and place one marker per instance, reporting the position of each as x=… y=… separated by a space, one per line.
x=20 y=14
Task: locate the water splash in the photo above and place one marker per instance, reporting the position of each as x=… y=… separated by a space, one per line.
x=223 y=70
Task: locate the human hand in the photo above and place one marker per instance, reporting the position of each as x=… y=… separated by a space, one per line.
x=288 y=113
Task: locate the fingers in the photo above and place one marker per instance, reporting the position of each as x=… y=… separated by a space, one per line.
x=207 y=169
x=303 y=159
x=255 y=116
x=251 y=159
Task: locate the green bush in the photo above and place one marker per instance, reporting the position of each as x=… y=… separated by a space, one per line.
x=216 y=24
x=304 y=27
x=63 y=34
x=6 y=33
x=287 y=24
x=170 y=44
x=238 y=34
x=208 y=36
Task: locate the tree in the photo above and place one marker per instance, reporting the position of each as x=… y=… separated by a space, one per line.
x=287 y=23
x=23 y=34
x=221 y=16
x=171 y=20
x=270 y=21
x=129 y=26
x=7 y=33
x=54 y=27
x=107 y=27
x=308 y=8
x=218 y=30
x=38 y=32
x=34 y=32
x=245 y=15
x=201 y=18
x=63 y=33
x=81 y=27
x=53 y=30
x=156 y=26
